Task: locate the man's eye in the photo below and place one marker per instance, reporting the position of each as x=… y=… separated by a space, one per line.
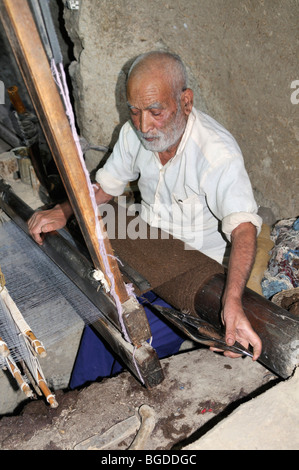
x=156 y=113
x=134 y=112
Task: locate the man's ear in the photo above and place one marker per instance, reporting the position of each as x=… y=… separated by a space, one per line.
x=187 y=101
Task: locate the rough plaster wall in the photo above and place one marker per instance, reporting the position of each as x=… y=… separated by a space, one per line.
x=242 y=56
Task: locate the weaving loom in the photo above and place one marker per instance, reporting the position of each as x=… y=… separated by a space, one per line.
x=187 y=280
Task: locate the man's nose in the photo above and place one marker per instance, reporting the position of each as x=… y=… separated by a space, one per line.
x=146 y=123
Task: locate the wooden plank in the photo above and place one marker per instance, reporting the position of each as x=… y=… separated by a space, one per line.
x=35 y=69
x=143 y=361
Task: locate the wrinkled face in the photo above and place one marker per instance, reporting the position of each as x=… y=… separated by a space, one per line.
x=155 y=113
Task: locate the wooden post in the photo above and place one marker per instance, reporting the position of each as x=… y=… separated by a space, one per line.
x=34 y=66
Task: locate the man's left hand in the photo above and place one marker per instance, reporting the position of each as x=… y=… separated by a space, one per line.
x=238 y=328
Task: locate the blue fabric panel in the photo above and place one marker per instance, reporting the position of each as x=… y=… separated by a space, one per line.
x=96 y=360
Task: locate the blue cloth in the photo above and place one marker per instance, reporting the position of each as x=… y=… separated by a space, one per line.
x=96 y=360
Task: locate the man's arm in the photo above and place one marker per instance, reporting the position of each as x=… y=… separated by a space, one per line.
x=241 y=260
x=43 y=222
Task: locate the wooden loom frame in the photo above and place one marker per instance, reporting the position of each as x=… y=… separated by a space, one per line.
x=34 y=66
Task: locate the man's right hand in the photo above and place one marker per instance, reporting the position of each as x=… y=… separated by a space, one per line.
x=42 y=222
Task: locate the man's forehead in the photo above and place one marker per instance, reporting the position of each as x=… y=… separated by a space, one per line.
x=149 y=93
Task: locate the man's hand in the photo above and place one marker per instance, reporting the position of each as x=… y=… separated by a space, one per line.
x=43 y=222
x=238 y=328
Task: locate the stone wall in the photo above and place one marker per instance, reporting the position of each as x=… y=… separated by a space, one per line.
x=242 y=57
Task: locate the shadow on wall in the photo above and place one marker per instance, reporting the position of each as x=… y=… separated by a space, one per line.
x=121 y=106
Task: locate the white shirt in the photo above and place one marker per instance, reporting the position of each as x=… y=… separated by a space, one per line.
x=199 y=196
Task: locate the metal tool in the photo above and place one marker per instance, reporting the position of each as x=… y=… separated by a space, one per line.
x=201 y=331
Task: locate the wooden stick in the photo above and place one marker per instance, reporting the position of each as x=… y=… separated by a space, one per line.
x=28 y=374
x=13 y=93
x=17 y=375
x=148 y=422
x=46 y=391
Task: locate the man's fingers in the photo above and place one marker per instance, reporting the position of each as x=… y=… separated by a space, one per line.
x=37 y=238
x=244 y=334
x=49 y=227
x=37 y=227
x=42 y=222
x=230 y=332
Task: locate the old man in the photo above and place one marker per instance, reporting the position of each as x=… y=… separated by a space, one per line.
x=186 y=163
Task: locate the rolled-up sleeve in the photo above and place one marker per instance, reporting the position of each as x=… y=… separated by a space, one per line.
x=231 y=221
x=109 y=183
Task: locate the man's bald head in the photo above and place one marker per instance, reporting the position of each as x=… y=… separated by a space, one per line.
x=166 y=65
x=159 y=100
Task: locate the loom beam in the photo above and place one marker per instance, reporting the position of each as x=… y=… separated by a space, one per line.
x=278 y=328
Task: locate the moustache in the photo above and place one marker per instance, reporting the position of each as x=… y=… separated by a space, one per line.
x=147 y=135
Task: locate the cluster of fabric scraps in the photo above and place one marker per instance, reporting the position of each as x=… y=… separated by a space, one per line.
x=283 y=268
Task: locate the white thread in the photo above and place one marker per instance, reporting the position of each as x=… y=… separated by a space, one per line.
x=49 y=397
x=37 y=346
